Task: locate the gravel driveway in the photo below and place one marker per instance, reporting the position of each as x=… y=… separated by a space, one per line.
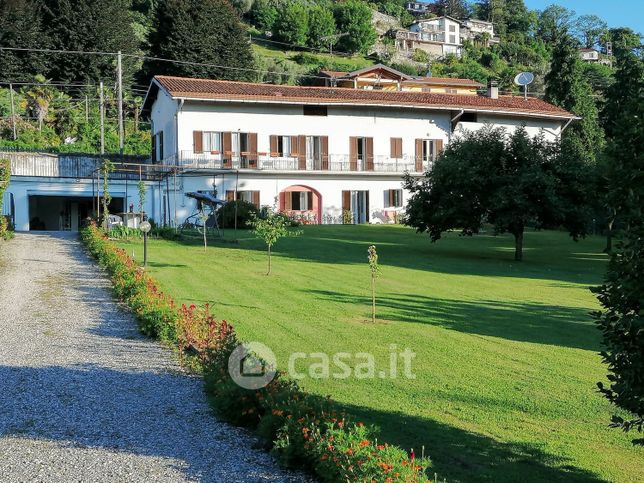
x=84 y=397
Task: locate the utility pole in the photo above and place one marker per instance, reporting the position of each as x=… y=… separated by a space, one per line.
x=13 y=113
x=119 y=69
x=102 y=116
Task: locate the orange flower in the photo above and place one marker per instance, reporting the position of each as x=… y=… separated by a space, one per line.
x=364 y=443
x=350 y=452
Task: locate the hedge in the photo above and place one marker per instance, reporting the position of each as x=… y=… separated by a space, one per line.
x=300 y=429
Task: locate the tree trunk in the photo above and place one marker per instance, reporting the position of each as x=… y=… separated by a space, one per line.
x=609 y=236
x=518 y=245
x=269 y=260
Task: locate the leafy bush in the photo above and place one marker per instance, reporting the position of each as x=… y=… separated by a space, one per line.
x=420 y=55
x=245 y=212
x=5 y=175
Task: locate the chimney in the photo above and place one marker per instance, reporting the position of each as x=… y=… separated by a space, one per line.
x=493 y=89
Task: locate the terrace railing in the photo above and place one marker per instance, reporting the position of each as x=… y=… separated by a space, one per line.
x=63 y=165
x=337 y=163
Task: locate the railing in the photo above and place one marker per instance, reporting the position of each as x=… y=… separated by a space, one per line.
x=335 y=163
x=39 y=164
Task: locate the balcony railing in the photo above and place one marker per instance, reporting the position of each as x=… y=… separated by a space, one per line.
x=337 y=163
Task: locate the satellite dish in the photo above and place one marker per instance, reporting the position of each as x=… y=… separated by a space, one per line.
x=524 y=79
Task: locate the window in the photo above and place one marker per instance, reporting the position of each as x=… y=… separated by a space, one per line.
x=429 y=150
x=157 y=147
x=451 y=91
x=315 y=110
x=240 y=143
x=211 y=141
x=284 y=145
x=301 y=200
x=426 y=89
x=452 y=39
x=452 y=28
x=313 y=148
x=393 y=198
x=249 y=196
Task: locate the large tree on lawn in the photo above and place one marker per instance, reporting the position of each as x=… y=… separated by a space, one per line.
x=201 y=32
x=512 y=182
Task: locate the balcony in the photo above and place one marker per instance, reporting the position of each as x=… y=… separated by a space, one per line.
x=337 y=163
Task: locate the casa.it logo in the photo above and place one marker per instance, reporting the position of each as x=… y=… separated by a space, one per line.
x=252 y=365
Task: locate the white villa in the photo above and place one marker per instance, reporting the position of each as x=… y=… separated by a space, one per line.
x=441 y=36
x=314 y=152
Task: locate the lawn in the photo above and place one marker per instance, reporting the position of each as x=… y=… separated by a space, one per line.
x=507 y=355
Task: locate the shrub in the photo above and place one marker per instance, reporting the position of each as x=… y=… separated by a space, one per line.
x=420 y=55
x=245 y=212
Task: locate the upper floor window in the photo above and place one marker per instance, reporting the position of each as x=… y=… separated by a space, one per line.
x=315 y=110
x=452 y=39
x=284 y=145
x=211 y=141
x=452 y=28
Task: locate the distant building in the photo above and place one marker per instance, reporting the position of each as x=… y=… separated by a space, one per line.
x=589 y=55
x=441 y=36
x=381 y=77
x=417 y=8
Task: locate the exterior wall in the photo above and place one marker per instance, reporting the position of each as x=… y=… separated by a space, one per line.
x=270 y=186
x=164 y=119
x=550 y=128
x=341 y=123
x=24 y=187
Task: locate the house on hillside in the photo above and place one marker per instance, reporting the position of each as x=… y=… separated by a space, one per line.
x=417 y=8
x=381 y=77
x=441 y=36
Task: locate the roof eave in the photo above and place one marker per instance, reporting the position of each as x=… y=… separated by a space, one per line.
x=388 y=105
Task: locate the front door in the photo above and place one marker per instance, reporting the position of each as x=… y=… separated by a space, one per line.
x=357 y=204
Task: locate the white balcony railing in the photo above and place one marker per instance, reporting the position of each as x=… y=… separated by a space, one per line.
x=337 y=163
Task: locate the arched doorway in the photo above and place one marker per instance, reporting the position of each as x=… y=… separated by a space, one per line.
x=302 y=203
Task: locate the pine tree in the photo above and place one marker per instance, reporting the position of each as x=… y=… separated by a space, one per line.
x=566 y=87
x=200 y=31
x=21 y=26
x=89 y=25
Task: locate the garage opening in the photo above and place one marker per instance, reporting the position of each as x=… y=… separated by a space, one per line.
x=63 y=213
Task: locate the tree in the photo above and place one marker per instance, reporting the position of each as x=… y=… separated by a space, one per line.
x=321 y=27
x=622 y=326
x=567 y=87
x=38 y=99
x=508 y=16
x=21 y=26
x=590 y=28
x=372 y=257
x=511 y=182
x=459 y=9
x=554 y=22
x=203 y=32
x=292 y=23
x=624 y=124
x=89 y=25
x=5 y=177
x=353 y=18
x=263 y=14
x=270 y=229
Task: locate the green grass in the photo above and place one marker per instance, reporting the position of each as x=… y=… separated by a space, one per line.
x=507 y=355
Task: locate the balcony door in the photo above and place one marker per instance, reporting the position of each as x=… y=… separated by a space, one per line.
x=361 y=154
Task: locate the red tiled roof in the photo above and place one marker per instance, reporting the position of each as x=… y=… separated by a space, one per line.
x=207 y=89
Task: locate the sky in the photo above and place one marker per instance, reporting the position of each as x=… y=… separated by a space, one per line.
x=617 y=13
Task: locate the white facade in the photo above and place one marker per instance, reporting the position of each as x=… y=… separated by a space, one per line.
x=445 y=31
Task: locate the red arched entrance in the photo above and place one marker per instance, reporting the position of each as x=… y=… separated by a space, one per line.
x=302 y=203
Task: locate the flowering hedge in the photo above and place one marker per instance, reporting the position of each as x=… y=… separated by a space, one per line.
x=300 y=429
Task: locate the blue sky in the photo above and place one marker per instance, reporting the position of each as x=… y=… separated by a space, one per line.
x=618 y=13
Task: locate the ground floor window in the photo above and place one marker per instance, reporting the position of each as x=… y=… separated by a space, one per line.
x=393 y=198
x=247 y=195
x=301 y=200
